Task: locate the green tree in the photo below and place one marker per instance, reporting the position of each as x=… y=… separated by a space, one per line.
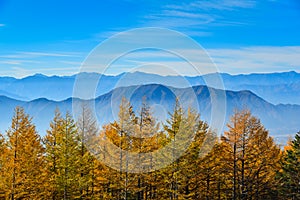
x=180 y=130
x=172 y=129
x=53 y=155
x=290 y=173
x=192 y=161
x=68 y=168
x=62 y=158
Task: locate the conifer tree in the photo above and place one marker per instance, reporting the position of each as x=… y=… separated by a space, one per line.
x=68 y=165
x=190 y=163
x=3 y=156
x=86 y=162
x=62 y=158
x=202 y=164
x=190 y=136
x=121 y=134
x=172 y=129
x=183 y=160
x=290 y=174
x=180 y=130
x=144 y=143
x=253 y=159
x=112 y=178
x=24 y=166
x=52 y=156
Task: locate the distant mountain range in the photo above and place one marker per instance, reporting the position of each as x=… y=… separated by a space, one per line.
x=282 y=120
x=276 y=88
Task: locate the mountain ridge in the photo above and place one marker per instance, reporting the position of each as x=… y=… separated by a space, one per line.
x=276 y=88
x=279 y=119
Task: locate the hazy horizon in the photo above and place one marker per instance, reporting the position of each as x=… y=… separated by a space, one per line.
x=69 y=75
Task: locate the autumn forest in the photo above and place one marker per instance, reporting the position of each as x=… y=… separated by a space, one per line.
x=137 y=157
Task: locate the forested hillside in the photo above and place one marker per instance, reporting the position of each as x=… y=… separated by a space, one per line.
x=135 y=157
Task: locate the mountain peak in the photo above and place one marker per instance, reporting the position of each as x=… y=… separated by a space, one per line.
x=40 y=75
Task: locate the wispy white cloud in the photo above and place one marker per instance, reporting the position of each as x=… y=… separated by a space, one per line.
x=214 y=5
x=197 y=14
x=71 y=62
x=17 y=55
x=191 y=17
x=17 y=62
x=230 y=60
x=34 y=54
x=257 y=59
x=99 y=37
x=11 y=62
x=223 y=4
x=1 y=25
x=178 y=13
x=20 y=64
x=177 y=19
x=46 y=54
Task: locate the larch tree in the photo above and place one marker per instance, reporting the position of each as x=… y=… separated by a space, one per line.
x=87 y=164
x=192 y=161
x=172 y=129
x=263 y=163
x=109 y=137
x=3 y=156
x=68 y=165
x=53 y=155
x=144 y=142
x=24 y=166
x=62 y=158
x=133 y=158
x=253 y=157
x=180 y=129
x=188 y=137
x=205 y=177
x=121 y=133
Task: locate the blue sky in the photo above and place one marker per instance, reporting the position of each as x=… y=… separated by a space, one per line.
x=241 y=36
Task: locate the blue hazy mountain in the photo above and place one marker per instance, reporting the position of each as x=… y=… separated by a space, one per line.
x=274 y=87
x=281 y=120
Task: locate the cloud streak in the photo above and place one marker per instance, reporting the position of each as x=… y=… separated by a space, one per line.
x=254 y=59
x=222 y=5
x=34 y=54
x=46 y=54
x=195 y=16
x=17 y=62
x=257 y=59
